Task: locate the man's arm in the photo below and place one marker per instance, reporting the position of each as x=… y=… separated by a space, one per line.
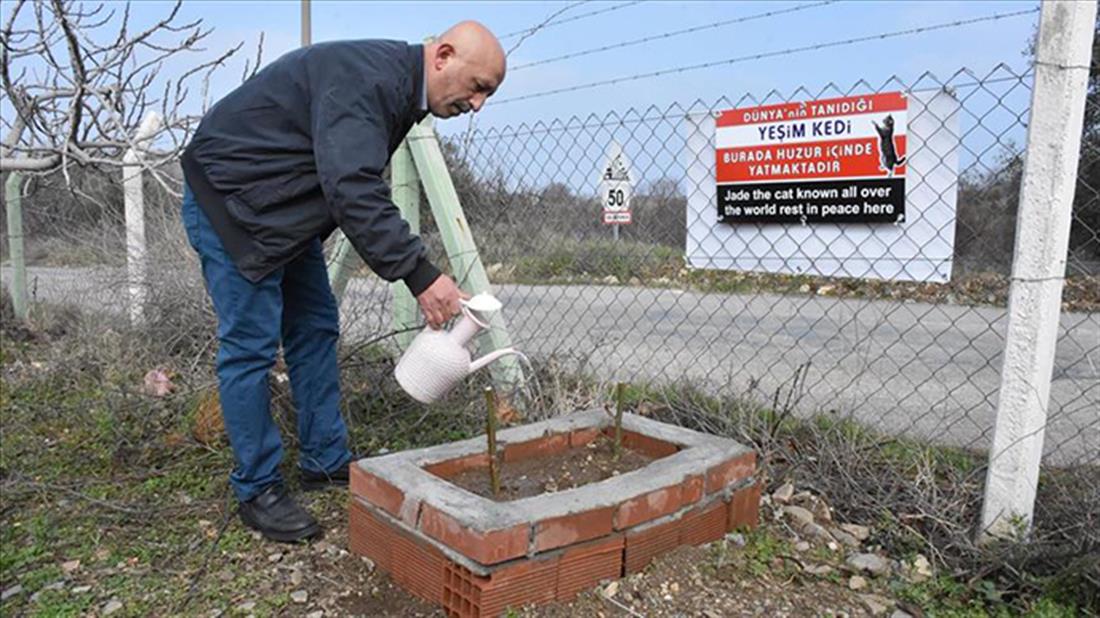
x=350 y=145
x=350 y=150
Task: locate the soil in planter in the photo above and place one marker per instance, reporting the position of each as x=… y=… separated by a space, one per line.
x=591 y=463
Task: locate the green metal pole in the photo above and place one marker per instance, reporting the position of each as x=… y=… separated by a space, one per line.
x=406 y=194
x=339 y=268
x=14 y=200
x=457 y=238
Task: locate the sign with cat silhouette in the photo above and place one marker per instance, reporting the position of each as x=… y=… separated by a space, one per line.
x=839 y=160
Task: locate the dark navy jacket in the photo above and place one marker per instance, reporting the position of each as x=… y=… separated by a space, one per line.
x=299 y=149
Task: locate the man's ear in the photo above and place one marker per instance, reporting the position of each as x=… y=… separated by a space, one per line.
x=443 y=53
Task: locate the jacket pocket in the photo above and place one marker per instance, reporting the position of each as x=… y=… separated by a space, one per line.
x=277 y=224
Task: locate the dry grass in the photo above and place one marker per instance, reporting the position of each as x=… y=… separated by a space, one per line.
x=919 y=498
x=83 y=371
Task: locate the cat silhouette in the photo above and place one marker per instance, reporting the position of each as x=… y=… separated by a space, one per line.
x=888 y=155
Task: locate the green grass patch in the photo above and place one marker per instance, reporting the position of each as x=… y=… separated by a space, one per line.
x=946 y=597
x=595 y=260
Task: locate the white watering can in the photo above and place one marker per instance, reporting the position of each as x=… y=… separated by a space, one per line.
x=438 y=360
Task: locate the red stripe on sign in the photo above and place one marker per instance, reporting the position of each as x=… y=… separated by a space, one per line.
x=822 y=108
x=813 y=160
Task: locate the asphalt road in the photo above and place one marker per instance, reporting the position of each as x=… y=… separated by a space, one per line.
x=929 y=371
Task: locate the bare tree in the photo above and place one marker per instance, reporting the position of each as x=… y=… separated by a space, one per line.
x=81 y=82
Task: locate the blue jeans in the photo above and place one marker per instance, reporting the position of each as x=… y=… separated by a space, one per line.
x=293 y=305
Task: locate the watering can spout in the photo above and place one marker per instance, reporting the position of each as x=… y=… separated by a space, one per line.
x=490 y=357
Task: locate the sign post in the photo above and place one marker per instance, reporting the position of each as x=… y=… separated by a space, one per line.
x=616 y=189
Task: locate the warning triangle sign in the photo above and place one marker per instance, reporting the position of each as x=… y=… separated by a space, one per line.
x=617 y=167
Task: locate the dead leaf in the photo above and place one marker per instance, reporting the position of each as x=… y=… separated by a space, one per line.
x=158 y=383
x=649 y=408
x=506 y=413
x=209 y=425
x=174 y=439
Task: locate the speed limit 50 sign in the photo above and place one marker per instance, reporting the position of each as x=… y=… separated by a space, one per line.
x=615 y=187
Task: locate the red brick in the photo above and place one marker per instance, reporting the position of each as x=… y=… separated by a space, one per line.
x=650 y=446
x=468 y=595
x=451 y=468
x=703 y=525
x=693 y=490
x=644 y=444
x=530 y=581
x=645 y=545
x=586 y=565
x=574 y=528
x=368 y=535
x=539 y=447
x=376 y=491
x=417 y=567
x=744 y=507
x=582 y=437
x=731 y=472
x=461 y=591
x=648 y=506
x=484 y=547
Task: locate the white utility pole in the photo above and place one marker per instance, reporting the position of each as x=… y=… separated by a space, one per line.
x=133 y=197
x=307 y=25
x=1063 y=49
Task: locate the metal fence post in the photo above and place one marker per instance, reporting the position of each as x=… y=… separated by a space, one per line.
x=469 y=272
x=14 y=199
x=406 y=194
x=1042 y=241
x=339 y=267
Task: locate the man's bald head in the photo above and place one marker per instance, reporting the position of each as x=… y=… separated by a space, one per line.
x=464 y=67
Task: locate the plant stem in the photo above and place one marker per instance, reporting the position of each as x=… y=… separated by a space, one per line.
x=491 y=433
x=620 y=394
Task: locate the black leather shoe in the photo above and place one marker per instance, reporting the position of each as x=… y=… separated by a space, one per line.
x=278 y=517
x=312 y=481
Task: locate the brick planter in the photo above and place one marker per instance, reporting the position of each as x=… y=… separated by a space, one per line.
x=477 y=557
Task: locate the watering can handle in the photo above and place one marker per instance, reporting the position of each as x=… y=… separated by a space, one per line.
x=470 y=313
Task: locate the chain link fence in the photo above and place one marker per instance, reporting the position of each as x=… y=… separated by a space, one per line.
x=906 y=341
x=843 y=337
x=670 y=299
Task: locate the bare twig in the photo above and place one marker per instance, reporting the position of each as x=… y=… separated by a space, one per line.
x=491 y=435
x=620 y=403
x=79 y=111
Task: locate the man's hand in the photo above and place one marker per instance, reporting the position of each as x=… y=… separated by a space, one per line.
x=439 y=302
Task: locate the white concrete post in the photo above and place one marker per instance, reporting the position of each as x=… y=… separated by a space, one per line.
x=1042 y=237
x=134 y=199
x=13 y=194
x=458 y=240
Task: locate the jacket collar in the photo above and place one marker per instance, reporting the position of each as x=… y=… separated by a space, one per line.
x=420 y=82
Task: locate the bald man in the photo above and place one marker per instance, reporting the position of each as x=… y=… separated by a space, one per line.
x=272 y=170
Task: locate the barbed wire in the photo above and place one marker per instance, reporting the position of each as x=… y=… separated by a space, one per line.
x=574 y=18
x=527 y=33
x=492 y=134
x=530 y=32
x=670 y=34
x=784 y=52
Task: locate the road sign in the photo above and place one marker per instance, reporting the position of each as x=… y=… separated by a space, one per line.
x=616 y=189
x=827 y=161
